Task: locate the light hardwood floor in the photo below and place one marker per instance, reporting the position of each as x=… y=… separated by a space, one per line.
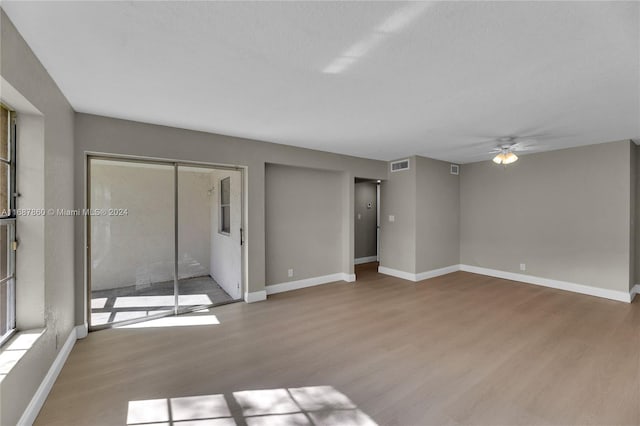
x=457 y=349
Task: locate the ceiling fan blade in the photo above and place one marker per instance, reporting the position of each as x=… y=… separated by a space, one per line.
x=524 y=145
x=544 y=135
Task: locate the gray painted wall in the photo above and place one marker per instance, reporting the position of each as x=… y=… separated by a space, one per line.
x=304 y=215
x=565 y=214
x=398 y=238
x=425 y=201
x=22 y=70
x=437 y=215
x=109 y=135
x=366 y=244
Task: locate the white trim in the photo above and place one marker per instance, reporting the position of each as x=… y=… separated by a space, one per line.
x=418 y=277
x=397 y=273
x=617 y=295
x=256 y=296
x=82 y=331
x=348 y=277
x=437 y=272
x=36 y=403
x=635 y=290
x=309 y=282
x=367 y=259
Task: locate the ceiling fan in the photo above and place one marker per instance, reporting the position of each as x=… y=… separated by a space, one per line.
x=489 y=146
x=507 y=146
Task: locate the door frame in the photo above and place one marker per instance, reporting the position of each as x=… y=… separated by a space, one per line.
x=378 y=186
x=377 y=183
x=176 y=164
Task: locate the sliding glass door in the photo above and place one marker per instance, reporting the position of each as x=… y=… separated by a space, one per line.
x=132 y=239
x=158 y=233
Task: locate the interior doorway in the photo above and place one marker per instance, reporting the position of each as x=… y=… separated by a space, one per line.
x=367 y=224
x=164 y=238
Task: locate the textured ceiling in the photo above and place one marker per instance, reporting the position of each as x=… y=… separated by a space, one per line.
x=374 y=79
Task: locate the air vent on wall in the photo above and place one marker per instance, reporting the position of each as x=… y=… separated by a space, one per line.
x=399 y=165
x=455 y=169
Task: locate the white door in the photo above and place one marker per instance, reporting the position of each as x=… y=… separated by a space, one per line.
x=226 y=247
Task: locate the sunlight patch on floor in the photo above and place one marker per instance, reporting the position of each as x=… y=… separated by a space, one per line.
x=159 y=301
x=176 y=321
x=311 y=405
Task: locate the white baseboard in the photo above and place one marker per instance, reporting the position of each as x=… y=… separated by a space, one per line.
x=437 y=272
x=36 y=403
x=397 y=273
x=309 y=282
x=368 y=259
x=256 y=296
x=418 y=277
x=348 y=277
x=617 y=295
x=82 y=331
x=634 y=291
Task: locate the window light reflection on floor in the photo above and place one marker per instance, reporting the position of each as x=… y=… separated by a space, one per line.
x=312 y=405
x=98 y=303
x=176 y=321
x=158 y=301
x=124 y=308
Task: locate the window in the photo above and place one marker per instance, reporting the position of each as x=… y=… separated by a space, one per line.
x=7 y=223
x=225 y=205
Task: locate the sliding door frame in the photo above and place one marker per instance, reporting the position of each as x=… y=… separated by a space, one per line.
x=176 y=165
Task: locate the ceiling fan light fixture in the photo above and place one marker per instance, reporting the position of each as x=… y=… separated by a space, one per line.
x=505 y=157
x=509 y=158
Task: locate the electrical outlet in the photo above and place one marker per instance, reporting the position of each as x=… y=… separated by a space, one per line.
x=523 y=267
x=359 y=216
x=392 y=218
x=290 y=273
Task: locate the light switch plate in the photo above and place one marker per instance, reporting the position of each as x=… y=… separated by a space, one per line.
x=392 y=218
